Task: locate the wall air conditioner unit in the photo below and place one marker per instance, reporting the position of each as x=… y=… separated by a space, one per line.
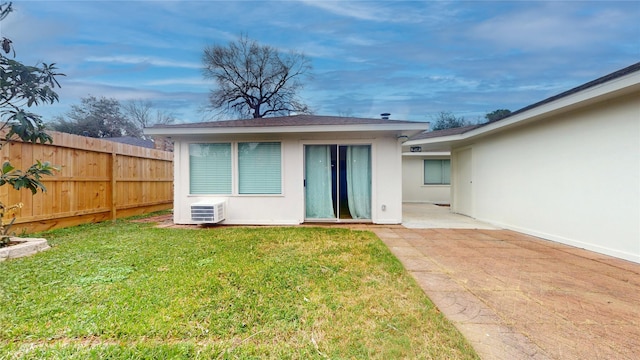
x=208 y=212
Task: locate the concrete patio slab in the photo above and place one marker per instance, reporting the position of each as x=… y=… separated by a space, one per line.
x=425 y=216
x=515 y=296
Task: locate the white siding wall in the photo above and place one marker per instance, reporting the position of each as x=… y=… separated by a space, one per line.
x=288 y=208
x=387 y=182
x=574 y=178
x=413 y=187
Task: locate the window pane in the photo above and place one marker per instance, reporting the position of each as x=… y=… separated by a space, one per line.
x=432 y=172
x=259 y=168
x=210 y=168
x=446 y=172
x=437 y=172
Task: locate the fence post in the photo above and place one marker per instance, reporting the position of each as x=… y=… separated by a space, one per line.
x=114 y=192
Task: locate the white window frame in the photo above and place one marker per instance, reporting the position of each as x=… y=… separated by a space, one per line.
x=235 y=172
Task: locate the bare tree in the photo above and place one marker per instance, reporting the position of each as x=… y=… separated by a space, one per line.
x=255 y=80
x=141 y=113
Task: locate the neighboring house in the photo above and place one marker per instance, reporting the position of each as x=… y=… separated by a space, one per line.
x=130 y=140
x=290 y=170
x=565 y=169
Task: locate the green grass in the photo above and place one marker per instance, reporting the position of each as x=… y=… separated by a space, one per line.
x=128 y=290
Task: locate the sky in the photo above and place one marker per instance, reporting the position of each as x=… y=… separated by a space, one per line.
x=413 y=59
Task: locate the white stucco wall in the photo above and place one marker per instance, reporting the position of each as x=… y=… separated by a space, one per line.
x=573 y=178
x=413 y=187
x=288 y=208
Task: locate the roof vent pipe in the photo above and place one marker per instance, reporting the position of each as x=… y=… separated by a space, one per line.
x=385 y=116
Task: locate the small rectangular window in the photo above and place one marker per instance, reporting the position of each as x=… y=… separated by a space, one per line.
x=259 y=168
x=210 y=168
x=437 y=172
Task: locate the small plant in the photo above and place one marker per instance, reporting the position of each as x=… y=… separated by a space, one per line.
x=19 y=179
x=5 y=227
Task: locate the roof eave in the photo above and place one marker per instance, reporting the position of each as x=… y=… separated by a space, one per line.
x=403 y=127
x=616 y=87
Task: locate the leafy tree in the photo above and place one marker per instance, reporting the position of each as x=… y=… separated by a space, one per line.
x=255 y=80
x=21 y=86
x=99 y=118
x=497 y=115
x=446 y=120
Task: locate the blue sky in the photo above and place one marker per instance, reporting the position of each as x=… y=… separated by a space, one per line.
x=413 y=59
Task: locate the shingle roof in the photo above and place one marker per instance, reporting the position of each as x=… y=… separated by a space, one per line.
x=129 y=140
x=444 y=132
x=295 y=120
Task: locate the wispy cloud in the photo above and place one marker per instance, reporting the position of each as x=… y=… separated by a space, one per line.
x=369 y=10
x=553 y=26
x=196 y=81
x=410 y=58
x=143 y=60
x=361 y=11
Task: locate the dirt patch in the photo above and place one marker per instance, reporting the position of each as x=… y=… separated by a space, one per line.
x=13 y=243
x=156 y=219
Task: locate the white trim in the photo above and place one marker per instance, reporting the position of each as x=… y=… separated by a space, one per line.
x=428 y=153
x=339 y=143
x=235 y=172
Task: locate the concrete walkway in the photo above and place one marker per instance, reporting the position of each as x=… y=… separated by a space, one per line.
x=515 y=296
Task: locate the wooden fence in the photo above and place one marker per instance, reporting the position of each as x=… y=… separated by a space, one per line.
x=98 y=180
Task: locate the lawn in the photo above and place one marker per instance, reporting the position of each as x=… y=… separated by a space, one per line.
x=130 y=290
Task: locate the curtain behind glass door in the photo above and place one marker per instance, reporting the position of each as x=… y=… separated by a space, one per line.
x=318 y=187
x=359 y=181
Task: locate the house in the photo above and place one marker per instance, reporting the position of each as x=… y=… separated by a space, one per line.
x=565 y=169
x=425 y=177
x=289 y=170
x=426 y=174
x=130 y=140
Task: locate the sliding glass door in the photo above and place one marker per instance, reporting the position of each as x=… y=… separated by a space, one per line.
x=318 y=182
x=337 y=182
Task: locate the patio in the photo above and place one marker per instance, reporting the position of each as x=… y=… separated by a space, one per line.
x=519 y=297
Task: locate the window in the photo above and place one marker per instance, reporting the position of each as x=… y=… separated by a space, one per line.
x=210 y=168
x=437 y=172
x=259 y=168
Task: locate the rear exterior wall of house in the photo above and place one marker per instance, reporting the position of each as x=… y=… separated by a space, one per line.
x=288 y=207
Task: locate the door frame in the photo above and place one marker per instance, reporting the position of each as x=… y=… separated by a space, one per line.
x=337 y=143
x=462 y=181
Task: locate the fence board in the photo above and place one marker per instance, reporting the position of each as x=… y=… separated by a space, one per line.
x=98 y=180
